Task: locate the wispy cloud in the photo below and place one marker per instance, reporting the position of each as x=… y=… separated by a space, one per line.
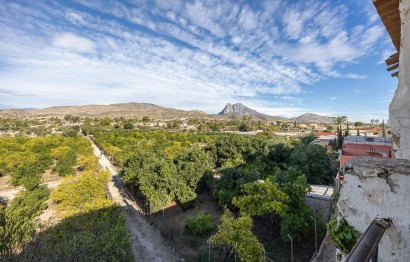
x=12 y=93
x=177 y=53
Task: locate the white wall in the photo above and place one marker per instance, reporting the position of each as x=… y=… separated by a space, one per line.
x=400 y=106
x=379 y=188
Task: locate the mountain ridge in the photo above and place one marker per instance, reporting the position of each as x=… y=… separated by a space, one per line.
x=313 y=118
x=131 y=109
x=136 y=110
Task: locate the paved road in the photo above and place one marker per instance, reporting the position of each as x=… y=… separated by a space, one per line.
x=147 y=242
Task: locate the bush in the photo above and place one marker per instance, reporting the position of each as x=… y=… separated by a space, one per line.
x=200 y=224
x=343 y=235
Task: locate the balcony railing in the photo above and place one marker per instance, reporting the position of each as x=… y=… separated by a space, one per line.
x=366 y=248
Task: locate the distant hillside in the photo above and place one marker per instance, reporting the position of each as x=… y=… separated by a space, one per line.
x=130 y=110
x=313 y=118
x=240 y=110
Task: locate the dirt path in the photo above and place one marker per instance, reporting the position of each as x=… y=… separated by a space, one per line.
x=147 y=242
x=8 y=192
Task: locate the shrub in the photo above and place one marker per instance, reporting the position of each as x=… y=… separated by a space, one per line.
x=199 y=224
x=343 y=235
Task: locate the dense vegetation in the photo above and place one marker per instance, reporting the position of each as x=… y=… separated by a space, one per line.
x=25 y=159
x=199 y=224
x=262 y=175
x=17 y=221
x=92 y=228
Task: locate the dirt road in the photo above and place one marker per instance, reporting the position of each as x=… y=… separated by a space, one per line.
x=147 y=242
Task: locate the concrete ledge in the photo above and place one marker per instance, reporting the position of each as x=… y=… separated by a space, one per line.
x=379 y=188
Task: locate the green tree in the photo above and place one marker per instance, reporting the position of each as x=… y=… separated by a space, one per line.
x=383 y=129
x=236 y=233
x=347 y=132
x=313 y=161
x=199 y=224
x=307 y=139
x=146 y=119
x=106 y=121
x=245 y=126
x=260 y=198
x=128 y=125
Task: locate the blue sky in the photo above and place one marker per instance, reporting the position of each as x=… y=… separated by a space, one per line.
x=278 y=57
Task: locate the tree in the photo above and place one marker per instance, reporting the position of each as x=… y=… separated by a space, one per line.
x=329 y=128
x=339 y=138
x=358 y=123
x=313 y=161
x=383 y=129
x=128 y=125
x=340 y=120
x=160 y=176
x=105 y=121
x=376 y=121
x=260 y=198
x=347 y=132
x=307 y=139
x=278 y=155
x=230 y=183
x=296 y=223
x=145 y=119
x=245 y=126
x=236 y=233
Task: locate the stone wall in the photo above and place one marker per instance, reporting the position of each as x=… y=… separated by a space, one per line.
x=379 y=188
x=400 y=105
x=321 y=207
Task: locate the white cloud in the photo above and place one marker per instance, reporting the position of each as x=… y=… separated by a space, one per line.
x=355 y=76
x=73 y=42
x=177 y=52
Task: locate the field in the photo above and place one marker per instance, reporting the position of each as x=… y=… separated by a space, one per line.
x=56 y=207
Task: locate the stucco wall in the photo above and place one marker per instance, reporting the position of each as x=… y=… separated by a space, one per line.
x=400 y=106
x=379 y=188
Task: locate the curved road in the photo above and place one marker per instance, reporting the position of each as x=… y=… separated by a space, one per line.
x=147 y=242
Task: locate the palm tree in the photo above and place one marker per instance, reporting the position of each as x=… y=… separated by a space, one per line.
x=340 y=120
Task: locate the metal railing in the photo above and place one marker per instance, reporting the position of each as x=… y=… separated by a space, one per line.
x=366 y=248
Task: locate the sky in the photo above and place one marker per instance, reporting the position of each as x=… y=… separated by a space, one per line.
x=281 y=58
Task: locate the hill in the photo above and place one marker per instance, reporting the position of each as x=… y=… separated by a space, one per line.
x=241 y=110
x=130 y=110
x=313 y=118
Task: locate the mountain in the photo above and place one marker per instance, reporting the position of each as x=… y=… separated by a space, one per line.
x=128 y=110
x=313 y=118
x=240 y=110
